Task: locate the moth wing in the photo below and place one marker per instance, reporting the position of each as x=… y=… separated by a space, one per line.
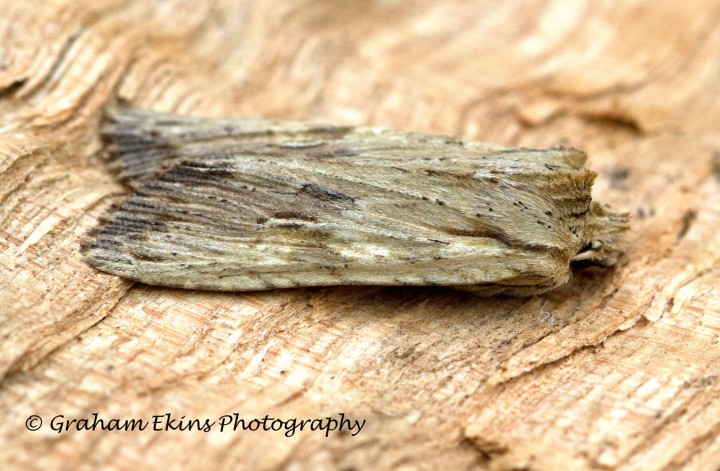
x=146 y=143
x=390 y=212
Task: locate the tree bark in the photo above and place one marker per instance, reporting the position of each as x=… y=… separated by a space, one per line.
x=617 y=370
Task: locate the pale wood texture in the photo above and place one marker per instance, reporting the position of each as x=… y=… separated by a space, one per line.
x=622 y=375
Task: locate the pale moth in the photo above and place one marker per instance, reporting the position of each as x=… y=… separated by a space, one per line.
x=245 y=204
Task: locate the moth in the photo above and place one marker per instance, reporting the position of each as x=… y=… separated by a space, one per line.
x=250 y=204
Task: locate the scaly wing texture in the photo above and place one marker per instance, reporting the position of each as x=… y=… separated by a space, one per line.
x=305 y=205
x=146 y=143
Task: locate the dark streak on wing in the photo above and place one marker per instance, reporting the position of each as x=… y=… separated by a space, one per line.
x=485 y=231
x=325 y=193
x=293 y=215
x=490 y=232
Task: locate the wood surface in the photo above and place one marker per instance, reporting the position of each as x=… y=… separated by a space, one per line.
x=617 y=370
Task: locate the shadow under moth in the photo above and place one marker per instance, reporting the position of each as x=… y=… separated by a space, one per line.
x=246 y=204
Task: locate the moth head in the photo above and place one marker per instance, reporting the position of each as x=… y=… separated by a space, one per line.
x=603 y=242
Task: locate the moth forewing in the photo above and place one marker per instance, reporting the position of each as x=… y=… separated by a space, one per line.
x=250 y=204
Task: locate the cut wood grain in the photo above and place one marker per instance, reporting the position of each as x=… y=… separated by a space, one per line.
x=617 y=370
